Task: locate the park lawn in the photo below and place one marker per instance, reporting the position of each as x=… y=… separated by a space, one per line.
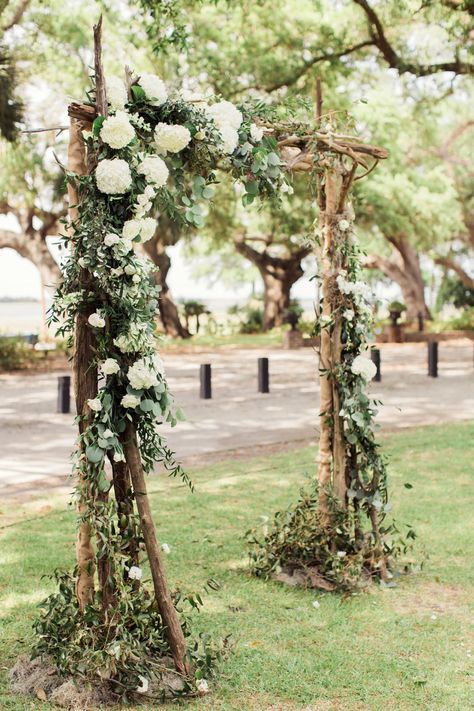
x=411 y=647
x=269 y=339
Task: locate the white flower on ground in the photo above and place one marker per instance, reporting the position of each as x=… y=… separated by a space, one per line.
x=117 y=131
x=142 y=375
x=256 y=132
x=165 y=548
x=143 y=686
x=110 y=366
x=95 y=404
x=230 y=139
x=364 y=367
x=224 y=113
x=348 y=314
x=341 y=554
x=107 y=434
x=130 y=401
x=202 y=686
x=155 y=170
x=154 y=88
x=147 y=228
x=96 y=320
x=171 y=138
x=135 y=573
x=131 y=229
x=113 y=177
x=111 y=239
x=316 y=604
x=344 y=225
x=116 y=92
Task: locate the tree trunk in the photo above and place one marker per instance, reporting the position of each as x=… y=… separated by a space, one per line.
x=404 y=269
x=169 y=315
x=276 y=298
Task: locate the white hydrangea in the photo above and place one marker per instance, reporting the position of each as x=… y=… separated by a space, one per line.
x=230 y=139
x=96 y=320
x=348 y=314
x=142 y=375
x=364 y=367
x=154 y=88
x=110 y=366
x=111 y=239
x=116 y=92
x=131 y=229
x=155 y=170
x=95 y=404
x=256 y=132
x=224 y=113
x=171 y=138
x=130 y=401
x=117 y=131
x=147 y=228
x=135 y=573
x=113 y=176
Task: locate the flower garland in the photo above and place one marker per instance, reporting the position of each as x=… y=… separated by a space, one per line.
x=155 y=153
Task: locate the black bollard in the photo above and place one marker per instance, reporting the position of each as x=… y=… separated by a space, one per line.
x=421 y=322
x=263 y=376
x=375 y=357
x=205 y=380
x=433 y=359
x=64 y=394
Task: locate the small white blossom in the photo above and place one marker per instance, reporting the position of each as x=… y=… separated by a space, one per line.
x=96 y=320
x=230 y=139
x=171 y=138
x=147 y=228
x=341 y=554
x=118 y=271
x=82 y=262
x=155 y=170
x=130 y=269
x=136 y=278
x=116 y=92
x=348 y=314
x=119 y=457
x=154 y=88
x=286 y=188
x=130 y=401
x=344 y=225
x=123 y=247
x=111 y=239
x=364 y=367
x=165 y=548
x=117 y=131
x=107 y=434
x=135 y=573
x=113 y=177
x=131 y=229
x=202 y=686
x=200 y=135
x=95 y=404
x=256 y=132
x=110 y=366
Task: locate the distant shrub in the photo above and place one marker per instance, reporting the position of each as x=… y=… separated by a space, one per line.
x=464 y=321
x=14 y=353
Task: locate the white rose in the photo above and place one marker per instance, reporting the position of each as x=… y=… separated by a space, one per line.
x=135 y=573
x=110 y=366
x=96 y=320
x=364 y=367
x=256 y=132
x=95 y=404
x=230 y=139
x=154 y=88
x=117 y=131
x=131 y=229
x=113 y=177
x=224 y=113
x=155 y=170
x=111 y=239
x=107 y=434
x=171 y=138
x=116 y=92
x=130 y=401
x=148 y=228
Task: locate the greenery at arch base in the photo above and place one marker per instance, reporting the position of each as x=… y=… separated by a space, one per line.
x=155 y=153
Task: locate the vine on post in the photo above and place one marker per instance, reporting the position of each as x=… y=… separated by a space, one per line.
x=136 y=150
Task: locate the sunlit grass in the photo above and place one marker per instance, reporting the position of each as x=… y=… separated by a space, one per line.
x=404 y=649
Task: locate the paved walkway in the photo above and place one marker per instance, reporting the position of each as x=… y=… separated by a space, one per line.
x=35 y=442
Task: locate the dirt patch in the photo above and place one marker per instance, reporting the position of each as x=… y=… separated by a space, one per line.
x=431 y=597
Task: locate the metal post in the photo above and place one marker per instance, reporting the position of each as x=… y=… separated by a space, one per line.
x=375 y=356
x=64 y=394
x=421 y=322
x=205 y=381
x=263 y=376
x=433 y=359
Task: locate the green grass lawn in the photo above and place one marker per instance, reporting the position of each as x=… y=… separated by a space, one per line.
x=406 y=648
x=270 y=339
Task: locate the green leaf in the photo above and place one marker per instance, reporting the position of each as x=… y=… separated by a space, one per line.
x=103 y=483
x=138 y=93
x=179 y=414
x=94 y=454
x=147 y=405
x=273 y=159
x=207 y=193
x=97 y=125
x=252 y=187
x=407 y=485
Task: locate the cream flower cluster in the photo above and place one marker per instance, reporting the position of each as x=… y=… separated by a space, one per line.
x=364 y=367
x=154 y=89
x=357 y=288
x=155 y=170
x=143 y=374
x=113 y=176
x=145 y=201
x=143 y=229
x=171 y=138
x=117 y=131
x=228 y=119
